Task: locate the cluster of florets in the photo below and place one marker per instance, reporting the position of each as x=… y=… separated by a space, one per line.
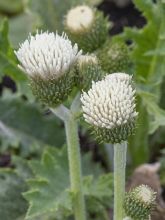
x=55 y=65
x=109 y=106
x=139 y=202
x=48 y=59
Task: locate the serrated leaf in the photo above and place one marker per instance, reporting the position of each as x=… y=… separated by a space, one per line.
x=50 y=189
x=24 y=123
x=12 y=204
x=149 y=42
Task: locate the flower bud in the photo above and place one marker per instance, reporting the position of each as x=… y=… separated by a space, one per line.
x=109 y=106
x=48 y=60
x=139 y=202
x=88 y=70
x=114 y=57
x=87 y=27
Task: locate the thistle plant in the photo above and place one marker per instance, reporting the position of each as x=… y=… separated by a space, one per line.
x=48 y=58
x=55 y=65
x=109 y=107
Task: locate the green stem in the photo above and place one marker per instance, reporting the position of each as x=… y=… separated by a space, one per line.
x=75 y=167
x=119 y=179
x=71 y=127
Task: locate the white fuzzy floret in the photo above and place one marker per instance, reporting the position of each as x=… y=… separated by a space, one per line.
x=79 y=18
x=145 y=193
x=47 y=54
x=110 y=102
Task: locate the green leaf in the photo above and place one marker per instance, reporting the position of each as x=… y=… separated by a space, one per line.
x=157 y=115
x=149 y=43
x=8 y=62
x=12 y=204
x=52 y=12
x=50 y=193
x=98 y=193
x=49 y=189
x=138 y=143
x=24 y=123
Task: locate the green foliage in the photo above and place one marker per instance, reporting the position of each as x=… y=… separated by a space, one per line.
x=8 y=62
x=149 y=43
x=23 y=123
x=147 y=46
x=12 y=204
x=50 y=189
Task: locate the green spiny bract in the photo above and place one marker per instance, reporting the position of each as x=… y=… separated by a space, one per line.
x=87 y=27
x=139 y=202
x=52 y=91
x=114 y=57
x=88 y=70
x=115 y=135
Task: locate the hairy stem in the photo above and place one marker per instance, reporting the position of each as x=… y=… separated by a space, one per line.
x=71 y=129
x=75 y=167
x=120 y=151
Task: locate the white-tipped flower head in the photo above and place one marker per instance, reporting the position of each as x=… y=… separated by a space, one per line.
x=88 y=70
x=87 y=27
x=80 y=18
x=48 y=58
x=139 y=202
x=109 y=106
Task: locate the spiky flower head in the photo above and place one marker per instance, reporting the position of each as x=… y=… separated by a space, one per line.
x=109 y=106
x=114 y=57
x=87 y=27
x=88 y=70
x=139 y=202
x=48 y=58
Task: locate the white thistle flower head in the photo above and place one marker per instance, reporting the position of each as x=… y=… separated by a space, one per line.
x=79 y=18
x=139 y=202
x=47 y=55
x=49 y=59
x=109 y=106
